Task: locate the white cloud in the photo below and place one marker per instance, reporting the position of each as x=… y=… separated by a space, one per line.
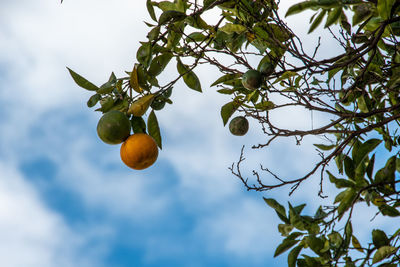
x=246 y=228
x=33 y=235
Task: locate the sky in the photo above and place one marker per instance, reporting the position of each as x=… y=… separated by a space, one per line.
x=66 y=199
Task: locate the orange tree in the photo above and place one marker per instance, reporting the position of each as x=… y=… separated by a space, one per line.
x=358 y=89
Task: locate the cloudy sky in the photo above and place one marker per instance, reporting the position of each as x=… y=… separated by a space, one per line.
x=66 y=199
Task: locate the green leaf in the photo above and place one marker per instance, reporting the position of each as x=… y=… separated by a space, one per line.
x=150 y=9
x=286 y=244
x=362 y=104
x=196 y=37
x=154 y=129
x=383 y=253
x=226 y=78
x=299 y=7
x=82 y=82
x=174 y=35
x=332 y=73
x=113 y=78
x=228 y=109
x=286 y=75
x=339 y=197
x=364 y=149
x=142 y=77
x=285 y=229
x=138 y=125
x=335 y=239
x=226 y=91
x=349 y=167
x=159 y=63
x=379 y=238
x=370 y=167
x=279 y=32
x=170 y=16
x=347 y=201
x=166 y=5
x=384 y=8
x=356 y=244
x=121 y=105
x=293 y=254
x=154 y=33
x=316 y=244
x=197 y=22
x=389 y=210
x=106 y=104
x=265 y=105
x=361 y=13
x=230 y=28
x=348 y=230
x=333 y=16
x=339 y=162
x=340 y=183
x=317 y=21
x=324 y=147
x=387 y=174
x=143 y=54
x=93 y=100
x=276 y=206
x=295 y=219
x=189 y=77
x=106 y=88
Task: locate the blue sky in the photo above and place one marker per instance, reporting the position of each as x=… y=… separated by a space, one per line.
x=66 y=199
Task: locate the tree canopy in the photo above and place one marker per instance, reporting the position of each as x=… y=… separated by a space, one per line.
x=266 y=68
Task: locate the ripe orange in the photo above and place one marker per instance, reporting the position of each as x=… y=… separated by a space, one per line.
x=139 y=151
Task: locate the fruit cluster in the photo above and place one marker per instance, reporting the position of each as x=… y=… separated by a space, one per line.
x=138 y=151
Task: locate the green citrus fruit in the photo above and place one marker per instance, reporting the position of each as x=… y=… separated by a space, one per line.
x=252 y=79
x=267 y=68
x=158 y=104
x=114 y=127
x=239 y=126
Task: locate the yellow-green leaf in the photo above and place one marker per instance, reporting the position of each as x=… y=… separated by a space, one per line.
x=356 y=243
x=383 y=253
x=233 y=28
x=133 y=80
x=140 y=106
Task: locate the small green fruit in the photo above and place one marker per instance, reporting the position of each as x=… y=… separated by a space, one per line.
x=252 y=79
x=267 y=68
x=239 y=126
x=114 y=127
x=158 y=104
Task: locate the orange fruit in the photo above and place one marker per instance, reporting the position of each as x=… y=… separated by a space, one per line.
x=139 y=151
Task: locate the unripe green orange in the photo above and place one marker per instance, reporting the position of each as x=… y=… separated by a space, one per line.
x=239 y=126
x=113 y=127
x=252 y=79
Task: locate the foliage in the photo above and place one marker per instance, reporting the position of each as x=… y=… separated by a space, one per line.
x=357 y=88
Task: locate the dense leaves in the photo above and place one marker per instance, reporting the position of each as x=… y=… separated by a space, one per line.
x=357 y=89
